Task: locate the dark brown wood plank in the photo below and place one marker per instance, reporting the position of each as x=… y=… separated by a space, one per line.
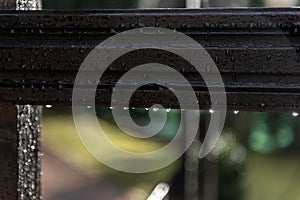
x=8 y=151
x=257 y=52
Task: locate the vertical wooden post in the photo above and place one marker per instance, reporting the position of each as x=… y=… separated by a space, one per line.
x=8 y=139
x=19 y=152
x=29 y=133
x=19 y=138
x=8 y=151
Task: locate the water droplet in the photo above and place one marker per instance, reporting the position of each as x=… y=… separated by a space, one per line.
x=236 y=112
x=89 y=107
x=123 y=65
x=146 y=108
x=262 y=107
x=48 y=106
x=114 y=31
x=211 y=111
x=111 y=107
x=168 y=110
x=227 y=52
x=122 y=25
x=155 y=109
x=295 y=114
x=217 y=60
x=125 y=108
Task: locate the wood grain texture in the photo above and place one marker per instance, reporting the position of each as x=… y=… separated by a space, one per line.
x=257 y=52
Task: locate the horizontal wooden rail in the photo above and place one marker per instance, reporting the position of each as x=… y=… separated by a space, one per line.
x=257 y=52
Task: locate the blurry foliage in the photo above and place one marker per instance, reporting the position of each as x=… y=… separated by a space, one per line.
x=266 y=132
x=256 y=3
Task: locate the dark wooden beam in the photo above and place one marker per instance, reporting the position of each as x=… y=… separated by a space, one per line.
x=257 y=52
x=8 y=151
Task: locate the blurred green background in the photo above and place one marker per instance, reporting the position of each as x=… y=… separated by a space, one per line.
x=257 y=155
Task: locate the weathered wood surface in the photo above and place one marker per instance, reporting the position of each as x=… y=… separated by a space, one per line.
x=8 y=151
x=257 y=52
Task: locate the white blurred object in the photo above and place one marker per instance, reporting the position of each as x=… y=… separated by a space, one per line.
x=159 y=192
x=281 y=3
x=193 y=3
x=28 y=4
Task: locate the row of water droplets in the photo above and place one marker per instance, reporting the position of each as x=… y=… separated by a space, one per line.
x=211 y=111
x=29 y=133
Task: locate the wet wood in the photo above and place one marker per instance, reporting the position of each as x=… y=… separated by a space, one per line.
x=257 y=52
x=8 y=151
